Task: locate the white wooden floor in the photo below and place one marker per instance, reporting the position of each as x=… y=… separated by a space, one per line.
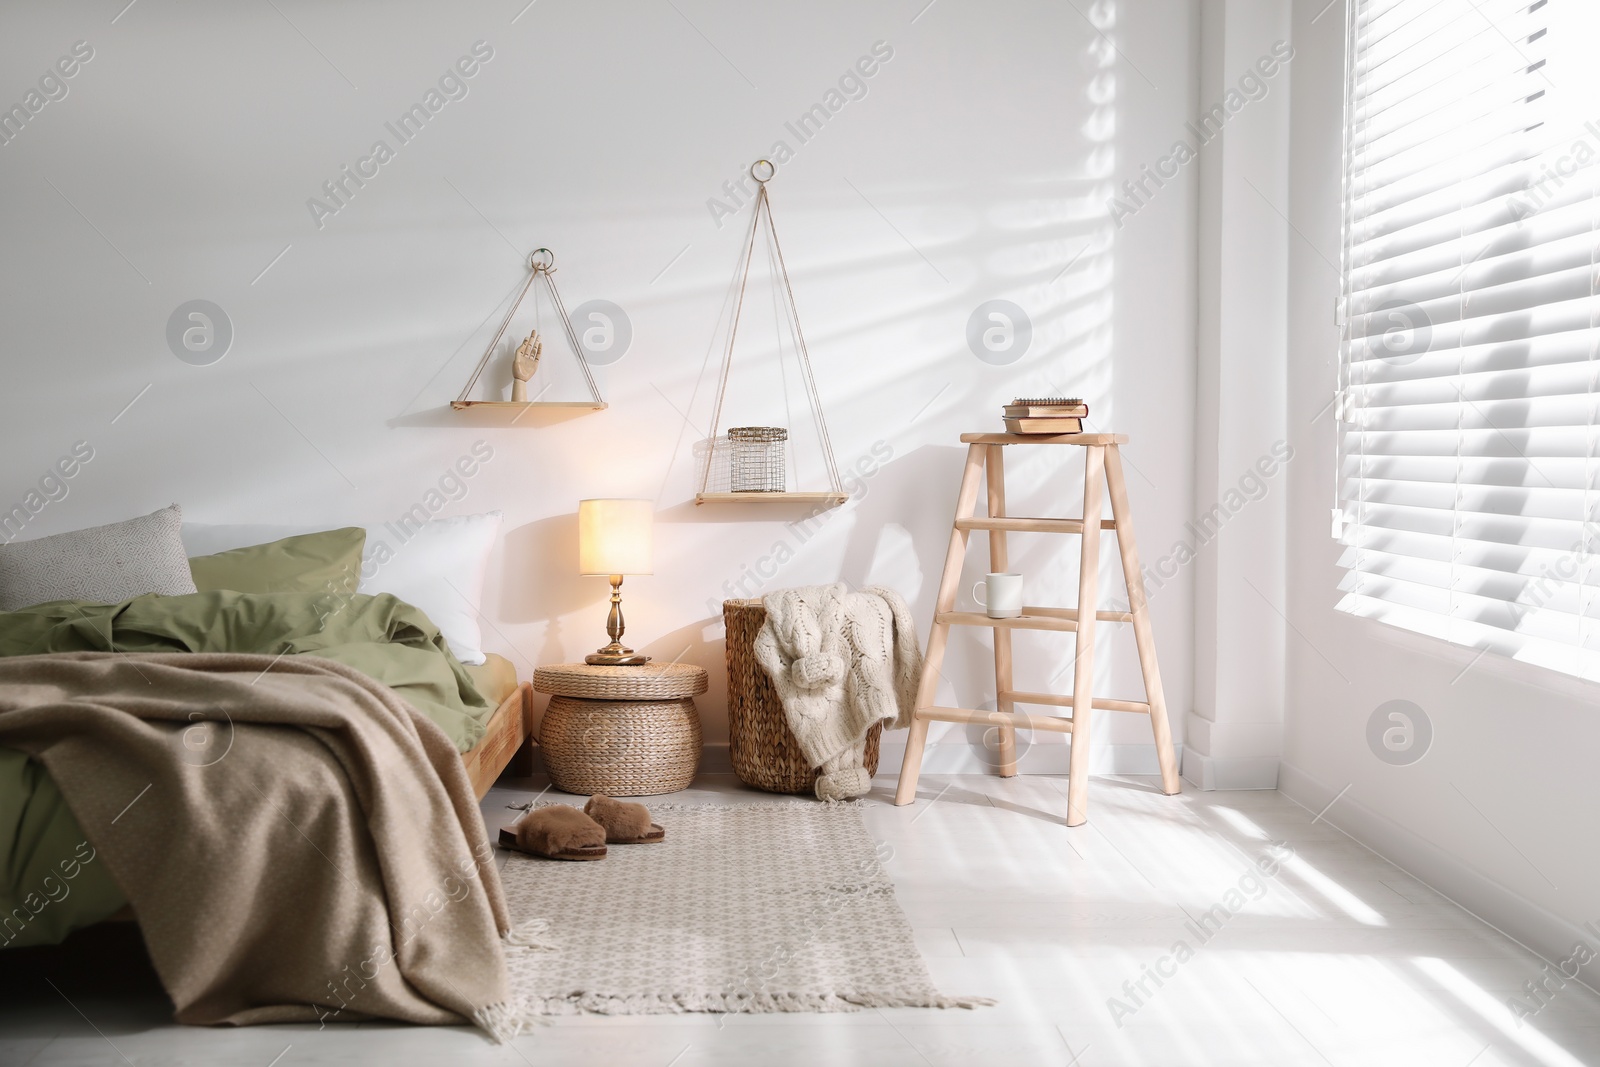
x=1335 y=958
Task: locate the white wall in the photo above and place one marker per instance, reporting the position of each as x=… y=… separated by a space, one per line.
x=1498 y=812
x=977 y=166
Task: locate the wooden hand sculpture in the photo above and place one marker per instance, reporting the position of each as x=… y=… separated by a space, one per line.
x=526 y=362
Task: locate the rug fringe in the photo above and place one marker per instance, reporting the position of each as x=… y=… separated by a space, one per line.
x=526 y=1012
x=523 y=1015
x=800 y=802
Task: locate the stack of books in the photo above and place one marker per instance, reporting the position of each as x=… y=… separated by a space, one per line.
x=1046 y=415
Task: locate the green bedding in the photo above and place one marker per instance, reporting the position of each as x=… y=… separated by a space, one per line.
x=50 y=883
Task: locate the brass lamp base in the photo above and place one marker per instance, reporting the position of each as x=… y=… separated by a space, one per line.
x=616 y=654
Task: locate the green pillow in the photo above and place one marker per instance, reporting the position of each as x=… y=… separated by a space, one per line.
x=325 y=562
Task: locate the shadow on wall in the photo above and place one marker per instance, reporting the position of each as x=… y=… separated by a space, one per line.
x=541 y=573
x=911 y=500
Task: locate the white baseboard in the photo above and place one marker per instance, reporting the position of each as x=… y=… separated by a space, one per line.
x=959 y=758
x=1530 y=925
x=1206 y=772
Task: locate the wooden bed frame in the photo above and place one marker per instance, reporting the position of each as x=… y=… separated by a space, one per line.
x=506 y=739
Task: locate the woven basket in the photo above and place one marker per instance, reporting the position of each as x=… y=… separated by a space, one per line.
x=620 y=748
x=765 y=754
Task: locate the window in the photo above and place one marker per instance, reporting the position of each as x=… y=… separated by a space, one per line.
x=1468 y=482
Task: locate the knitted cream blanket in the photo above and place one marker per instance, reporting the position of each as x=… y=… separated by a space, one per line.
x=841 y=661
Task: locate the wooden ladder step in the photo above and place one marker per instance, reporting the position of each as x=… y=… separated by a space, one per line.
x=1050 y=723
x=1072 y=613
x=1020 y=525
x=1021 y=622
x=1057 y=701
x=1060 y=620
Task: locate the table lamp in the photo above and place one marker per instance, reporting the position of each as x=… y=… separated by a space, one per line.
x=614 y=540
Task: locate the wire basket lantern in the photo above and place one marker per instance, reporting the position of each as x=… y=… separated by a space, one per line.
x=756 y=459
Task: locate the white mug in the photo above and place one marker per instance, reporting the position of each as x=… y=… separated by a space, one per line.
x=1001 y=596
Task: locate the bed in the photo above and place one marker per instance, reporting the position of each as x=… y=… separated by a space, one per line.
x=482 y=707
x=482 y=710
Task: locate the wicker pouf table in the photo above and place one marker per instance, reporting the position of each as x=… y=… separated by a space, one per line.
x=621 y=731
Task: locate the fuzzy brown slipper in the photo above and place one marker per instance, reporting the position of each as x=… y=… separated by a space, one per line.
x=625 y=824
x=557 y=832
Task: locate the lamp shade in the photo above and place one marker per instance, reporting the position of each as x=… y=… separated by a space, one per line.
x=614 y=536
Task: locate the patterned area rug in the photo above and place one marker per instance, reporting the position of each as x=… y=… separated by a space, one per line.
x=750 y=908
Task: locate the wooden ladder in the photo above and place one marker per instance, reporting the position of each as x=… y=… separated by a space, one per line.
x=1102 y=463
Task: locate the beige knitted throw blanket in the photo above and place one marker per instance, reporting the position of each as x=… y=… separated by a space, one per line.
x=841 y=661
x=297 y=843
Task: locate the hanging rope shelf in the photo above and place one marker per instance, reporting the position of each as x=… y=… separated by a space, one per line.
x=541 y=264
x=755 y=453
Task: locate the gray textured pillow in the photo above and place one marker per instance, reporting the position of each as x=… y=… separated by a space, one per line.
x=104 y=564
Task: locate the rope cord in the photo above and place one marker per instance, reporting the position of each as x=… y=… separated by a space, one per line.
x=572 y=335
x=535 y=271
x=742 y=271
x=501 y=332
x=805 y=363
x=782 y=323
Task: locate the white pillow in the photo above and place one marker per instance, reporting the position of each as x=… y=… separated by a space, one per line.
x=438 y=566
x=103 y=564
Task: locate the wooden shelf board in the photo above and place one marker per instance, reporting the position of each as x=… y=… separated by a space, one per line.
x=460 y=405
x=829 y=499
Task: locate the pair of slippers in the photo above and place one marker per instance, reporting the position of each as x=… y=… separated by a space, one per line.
x=562 y=832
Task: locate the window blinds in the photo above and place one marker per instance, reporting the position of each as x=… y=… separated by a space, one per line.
x=1468 y=477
